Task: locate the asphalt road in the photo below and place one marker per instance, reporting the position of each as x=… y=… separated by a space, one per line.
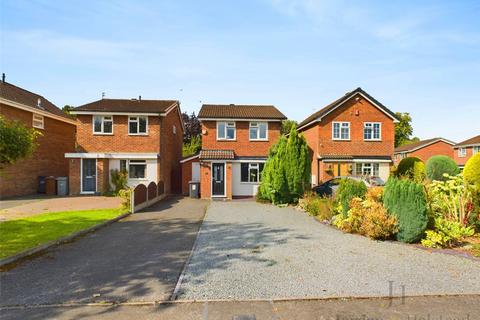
x=136 y=259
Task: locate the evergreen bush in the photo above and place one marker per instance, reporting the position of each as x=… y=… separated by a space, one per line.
x=406 y=200
x=411 y=168
x=471 y=172
x=347 y=190
x=437 y=166
x=286 y=174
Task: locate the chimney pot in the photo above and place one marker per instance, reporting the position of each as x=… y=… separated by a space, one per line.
x=139 y=98
x=3 y=77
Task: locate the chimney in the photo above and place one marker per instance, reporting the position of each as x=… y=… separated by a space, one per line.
x=103 y=95
x=139 y=98
x=3 y=77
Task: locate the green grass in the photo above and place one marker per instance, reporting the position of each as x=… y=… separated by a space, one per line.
x=22 y=234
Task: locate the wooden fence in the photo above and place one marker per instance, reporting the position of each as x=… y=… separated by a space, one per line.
x=144 y=196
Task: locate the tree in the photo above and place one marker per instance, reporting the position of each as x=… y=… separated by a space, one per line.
x=287 y=126
x=67 y=109
x=192 y=147
x=16 y=141
x=403 y=129
x=286 y=174
x=192 y=126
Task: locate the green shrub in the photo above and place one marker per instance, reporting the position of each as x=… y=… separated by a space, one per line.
x=126 y=195
x=119 y=179
x=406 y=200
x=347 y=190
x=446 y=234
x=471 y=171
x=438 y=166
x=286 y=174
x=368 y=218
x=410 y=168
x=321 y=208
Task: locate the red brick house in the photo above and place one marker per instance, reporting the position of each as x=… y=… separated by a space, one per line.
x=143 y=137
x=354 y=135
x=465 y=150
x=57 y=137
x=424 y=149
x=235 y=144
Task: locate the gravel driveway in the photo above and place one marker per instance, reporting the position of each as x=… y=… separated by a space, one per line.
x=248 y=250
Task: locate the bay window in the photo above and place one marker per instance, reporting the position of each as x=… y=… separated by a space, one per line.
x=251 y=172
x=258 y=130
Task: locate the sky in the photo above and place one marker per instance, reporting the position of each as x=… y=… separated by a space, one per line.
x=421 y=57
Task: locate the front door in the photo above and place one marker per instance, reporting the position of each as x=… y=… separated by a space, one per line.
x=89 y=178
x=218 y=179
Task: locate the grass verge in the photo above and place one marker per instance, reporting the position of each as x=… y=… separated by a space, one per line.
x=23 y=234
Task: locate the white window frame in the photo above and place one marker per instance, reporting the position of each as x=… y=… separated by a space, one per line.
x=174 y=129
x=462 y=152
x=256 y=124
x=372 y=127
x=252 y=165
x=475 y=149
x=39 y=120
x=340 y=123
x=102 y=132
x=137 y=121
x=229 y=125
x=139 y=162
x=371 y=165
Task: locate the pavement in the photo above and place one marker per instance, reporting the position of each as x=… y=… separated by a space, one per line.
x=247 y=250
x=28 y=206
x=409 y=308
x=136 y=259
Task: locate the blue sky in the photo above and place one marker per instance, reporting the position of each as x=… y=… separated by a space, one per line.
x=421 y=57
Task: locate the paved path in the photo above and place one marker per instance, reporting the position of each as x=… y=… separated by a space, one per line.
x=248 y=250
x=421 y=308
x=136 y=259
x=28 y=206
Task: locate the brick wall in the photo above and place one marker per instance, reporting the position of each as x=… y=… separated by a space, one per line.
x=186 y=175
x=205 y=180
x=103 y=174
x=74 y=176
x=171 y=153
x=120 y=141
x=437 y=148
x=461 y=161
x=58 y=138
x=242 y=146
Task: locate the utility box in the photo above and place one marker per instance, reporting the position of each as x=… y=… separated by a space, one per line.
x=62 y=186
x=194 y=189
x=50 y=186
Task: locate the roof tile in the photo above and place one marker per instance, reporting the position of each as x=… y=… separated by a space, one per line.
x=128 y=105
x=217 y=154
x=236 y=111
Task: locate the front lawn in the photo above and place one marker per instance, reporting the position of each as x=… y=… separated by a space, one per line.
x=22 y=234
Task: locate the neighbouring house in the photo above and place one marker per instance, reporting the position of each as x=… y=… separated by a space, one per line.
x=57 y=137
x=354 y=135
x=235 y=144
x=465 y=150
x=143 y=137
x=424 y=149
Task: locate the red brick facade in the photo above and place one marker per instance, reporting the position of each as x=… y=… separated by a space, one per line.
x=461 y=161
x=58 y=137
x=424 y=153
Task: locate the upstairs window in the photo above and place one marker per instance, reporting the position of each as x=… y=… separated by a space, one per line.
x=251 y=172
x=258 y=130
x=372 y=131
x=103 y=124
x=225 y=130
x=341 y=131
x=37 y=121
x=462 y=152
x=137 y=125
x=476 y=149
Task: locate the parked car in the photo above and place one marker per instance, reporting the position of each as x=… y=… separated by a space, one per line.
x=329 y=187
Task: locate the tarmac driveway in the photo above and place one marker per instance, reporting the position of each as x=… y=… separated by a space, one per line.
x=136 y=259
x=247 y=250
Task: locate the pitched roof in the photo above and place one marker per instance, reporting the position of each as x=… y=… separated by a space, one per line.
x=468 y=142
x=217 y=154
x=16 y=94
x=325 y=110
x=127 y=105
x=238 y=111
x=420 y=144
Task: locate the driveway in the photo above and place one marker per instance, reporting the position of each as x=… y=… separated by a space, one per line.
x=136 y=259
x=32 y=205
x=247 y=250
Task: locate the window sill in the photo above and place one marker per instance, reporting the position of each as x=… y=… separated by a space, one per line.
x=341 y=139
x=102 y=134
x=220 y=140
x=41 y=128
x=372 y=140
x=138 y=134
x=258 y=140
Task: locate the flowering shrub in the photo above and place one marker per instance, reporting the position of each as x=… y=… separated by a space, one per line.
x=322 y=208
x=446 y=234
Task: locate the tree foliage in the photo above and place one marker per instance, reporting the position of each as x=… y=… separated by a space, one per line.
x=17 y=141
x=438 y=165
x=192 y=147
x=471 y=172
x=412 y=168
x=67 y=109
x=287 y=126
x=406 y=200
x=286 y=174
x=404 y=129
x=347 y=190
x=192 y=126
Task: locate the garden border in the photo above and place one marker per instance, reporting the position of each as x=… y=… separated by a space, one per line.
x=29 y=252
